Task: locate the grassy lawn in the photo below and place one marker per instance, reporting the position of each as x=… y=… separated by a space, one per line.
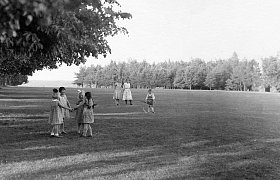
x=193 y=135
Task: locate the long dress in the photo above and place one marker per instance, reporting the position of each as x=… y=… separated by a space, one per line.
x=56 y=116
x=79 y=112
x=88 y=111
x=118 y=90
x=127 y=93
x=65 y=112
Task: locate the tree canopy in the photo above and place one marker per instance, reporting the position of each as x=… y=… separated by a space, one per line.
x=227 y=74
x=37 y=34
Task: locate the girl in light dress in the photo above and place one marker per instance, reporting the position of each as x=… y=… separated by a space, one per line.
x=65 y=112
x=117 y=92
x=127 y=96
x=56 y=116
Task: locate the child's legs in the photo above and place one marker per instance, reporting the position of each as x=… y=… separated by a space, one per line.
x=62 y=126
x=56 y=129
x=85 y=129
x=90 y=129
x=53 y=129
x=81 y=128
x=152 y=108
x=149 y=108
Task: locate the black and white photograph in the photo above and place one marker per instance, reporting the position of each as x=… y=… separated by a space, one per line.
x=139 y=89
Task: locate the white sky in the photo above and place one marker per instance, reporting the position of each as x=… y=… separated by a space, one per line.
x=181 y=29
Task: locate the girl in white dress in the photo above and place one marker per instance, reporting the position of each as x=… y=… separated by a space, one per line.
x=127 y=96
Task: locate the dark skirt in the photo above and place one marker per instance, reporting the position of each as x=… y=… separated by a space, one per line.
x=150 y=102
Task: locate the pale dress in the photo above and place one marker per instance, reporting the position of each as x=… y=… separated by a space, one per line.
x=79 y=112
x=65 y=112
x=127 y=92
x=118 y=91
x=56 y=116
x=88 y=112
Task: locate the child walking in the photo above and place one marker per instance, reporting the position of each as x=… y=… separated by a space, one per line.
x=56 y=117
x=88 y=117
x=65 y=112
x=150 y=100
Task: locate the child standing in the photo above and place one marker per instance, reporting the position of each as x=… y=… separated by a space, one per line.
x=150 y=100
x=117 y=92
x=79 y=110
x=65 y=112
x=88 y=117
x=127 y=96
x=56 y=117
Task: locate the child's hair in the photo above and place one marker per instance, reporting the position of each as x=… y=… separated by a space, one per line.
x=150 y=90
x=88 y=97
x=61 y=89
x=55 y=90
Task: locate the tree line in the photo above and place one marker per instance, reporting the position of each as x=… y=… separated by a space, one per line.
x=226 y=74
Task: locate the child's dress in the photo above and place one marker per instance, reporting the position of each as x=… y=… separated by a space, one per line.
x=88 y=111
x=79 y=111
x=118 y=91
x=127 y=92
x=65 y=112
x=56 y=116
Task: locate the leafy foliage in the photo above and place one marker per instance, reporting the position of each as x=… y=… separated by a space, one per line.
x=39 y=34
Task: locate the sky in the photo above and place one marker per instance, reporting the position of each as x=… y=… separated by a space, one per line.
x=183 y=29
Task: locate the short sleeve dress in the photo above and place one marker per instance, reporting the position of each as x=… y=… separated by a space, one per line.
x=63 y=100
x=56 y=116
x=127 y=93
x=118 y=91
x=88 y=111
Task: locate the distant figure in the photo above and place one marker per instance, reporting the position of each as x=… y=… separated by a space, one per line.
x=79 y=111
x=88 y=117
x=117 y=92
x=150 y=100
x=65 y=112
x=127 y=96
x=56 y=117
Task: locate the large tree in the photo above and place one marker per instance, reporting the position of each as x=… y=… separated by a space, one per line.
x=37 y=34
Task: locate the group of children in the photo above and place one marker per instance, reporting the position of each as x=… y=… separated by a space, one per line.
x=60 y=108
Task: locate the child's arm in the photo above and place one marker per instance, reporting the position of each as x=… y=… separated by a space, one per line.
x=81 y=103
x=68 y=103
x=60 y=105
x=146 y=98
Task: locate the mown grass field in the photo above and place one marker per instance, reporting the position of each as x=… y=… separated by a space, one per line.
x=193 y=135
